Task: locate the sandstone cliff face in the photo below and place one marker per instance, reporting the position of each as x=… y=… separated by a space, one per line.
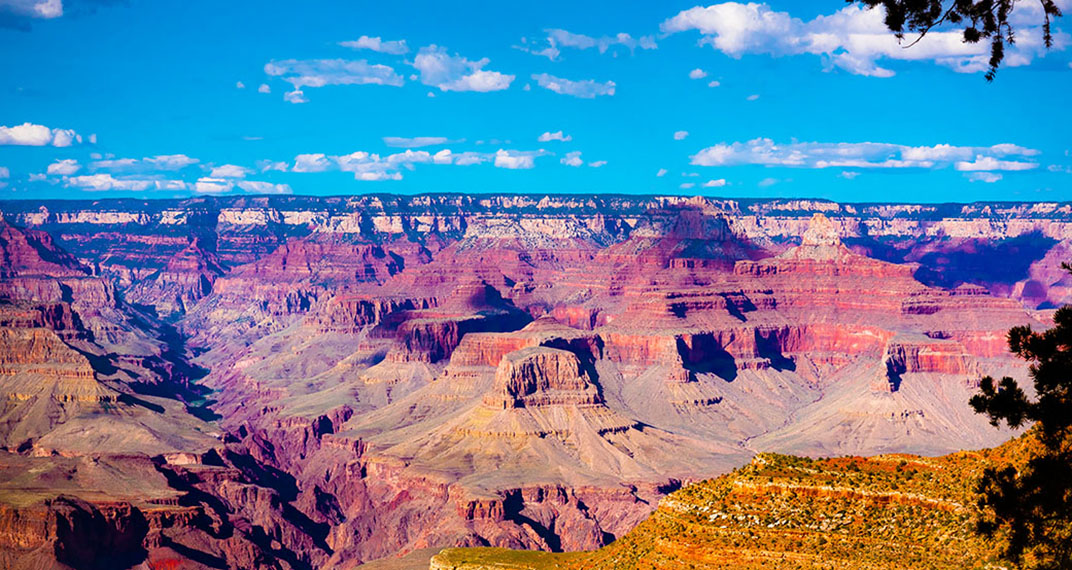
x=541 y=376
x=187 y=278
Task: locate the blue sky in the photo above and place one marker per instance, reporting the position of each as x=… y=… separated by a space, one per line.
x=781 y=99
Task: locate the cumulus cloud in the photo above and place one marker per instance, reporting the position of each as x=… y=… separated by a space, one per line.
x=269 y=165
x=697 y=74
x=585 y=89
x=264 y=88
x=371 y=166
x=514 y=160
x=311 y=163
x=987 y=177
x=320 y=72
x=555 y=136
x=714 y=84
x=258 y=187
x=393 y=47
x=64 y=167
x=162 y=162
x=29 y=134
x=766 y=152
x=4 y=172
x=572 y=159
x=455 y=73
x=715 y=183
x=988 y=163
x=240 y=85
x=208 y=185
x=597 y=163
x=230 y=171
x=104 y=182
x=680 y=135
x=414 y=142
x=558 y=38
x=854 y=39
x=297 y=97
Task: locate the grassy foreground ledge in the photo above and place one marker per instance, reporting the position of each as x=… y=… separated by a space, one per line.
x=784 y=512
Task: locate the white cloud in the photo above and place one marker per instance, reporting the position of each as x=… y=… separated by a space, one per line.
x=470 y=158
x=444 y=156
x=297 y=97
x=321 y=72
x=766 y=182
x=240 y=85
x=45 y=9
x=714 y=84
x=257 y=187
x=230 y=171
x=854 y=38
x=455 y=73
x=752 y=97
x=766 y=152
x=104 y=182
x=715 y=183
x=680 y=135
x=270 y=165
x=311 y=163
x=697 y=74
x=555 y=136
x=987 y=177
x=585 y=89
x=210 y=185
x=163 y=162
x=64 y=167
x=393 y=47
x=686 y=185
x=557 y=38
x=572 y=159
x=264 y=88
x=662 y=172
x=986 y=163
x=848 y=175
x=514 y=160
x=371 y=166
x=29 y=134
x=4 y=172
x=597 y=163
x=414 y=142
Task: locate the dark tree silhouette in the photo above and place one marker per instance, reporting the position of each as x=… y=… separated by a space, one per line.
x=1029 y=509
x=981 y=20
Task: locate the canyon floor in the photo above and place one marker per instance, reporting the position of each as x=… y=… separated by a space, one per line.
x=298 y=382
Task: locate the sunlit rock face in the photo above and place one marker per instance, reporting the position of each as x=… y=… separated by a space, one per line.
x=313 y=382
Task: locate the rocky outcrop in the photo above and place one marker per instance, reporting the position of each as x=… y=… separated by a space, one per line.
x=187 y=278
x=541 y=376
x=75 y=533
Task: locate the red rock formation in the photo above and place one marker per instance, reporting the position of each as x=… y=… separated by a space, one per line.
x=187 y=278
x=373 y=357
